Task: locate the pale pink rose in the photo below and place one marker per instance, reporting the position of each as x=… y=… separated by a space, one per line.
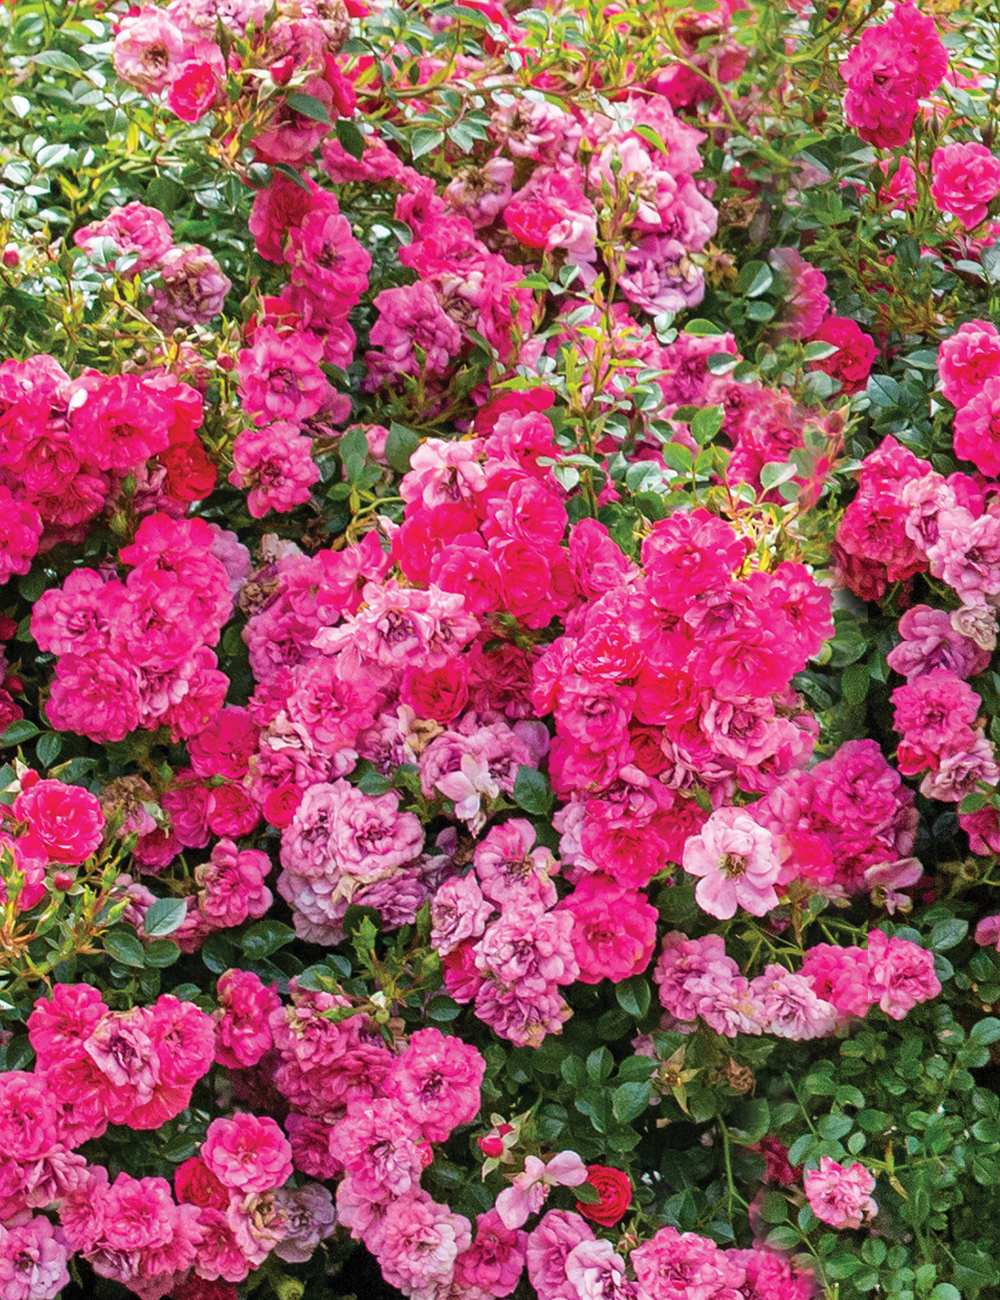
x=737 y=862
x=838 y=1195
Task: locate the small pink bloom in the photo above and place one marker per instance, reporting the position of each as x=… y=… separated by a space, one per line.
x=248 y=1153
x=66 y=819
x=531 y=1187
x=737 y=862
x=900 y=973
x=966 y=181
x=838 y=1195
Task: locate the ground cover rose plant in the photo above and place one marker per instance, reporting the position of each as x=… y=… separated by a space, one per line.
x=498 y=609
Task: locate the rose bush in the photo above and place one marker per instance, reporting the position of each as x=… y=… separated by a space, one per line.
x=499 y=603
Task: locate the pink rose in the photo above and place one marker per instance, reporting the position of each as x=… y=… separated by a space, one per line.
x=838 y=1195
x=966 y=181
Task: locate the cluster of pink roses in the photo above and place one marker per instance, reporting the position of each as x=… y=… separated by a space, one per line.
x=231 y=1206
x=174 y=52
x=137 y=653
x=567 y=1262
x=49 y=824
x=697 y=980
x=191 y=287
x=888 y=71
x=70 y=449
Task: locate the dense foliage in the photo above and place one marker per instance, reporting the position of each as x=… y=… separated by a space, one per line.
x=500 y=568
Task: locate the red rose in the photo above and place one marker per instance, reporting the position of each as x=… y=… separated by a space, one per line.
x=615 y=1191
x=190 y=474
x=280 y=805
x=195 y=1183
x=853 y=362
x=193 y=90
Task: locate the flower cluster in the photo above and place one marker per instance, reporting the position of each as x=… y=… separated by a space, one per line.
x=137 y=653
x=696 y=979
x=50 y=824
x=189 y=288
x=70 y=449
x=567 y=1262
x=888 y=71
x=173 y=52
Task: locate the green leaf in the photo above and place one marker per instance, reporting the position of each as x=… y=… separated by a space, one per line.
x=651 y=137
x=47 y=748
x=442 y=1009
x=883 y=390
x=371 y=781
x=854 y=683
x=783 y=1238
x=703 y=329
x=400 y=446
x=218 y=952
x=266 y=937
x=309 y=106
x=532 y=791
x=754 y=279
x=600 y=1063
x=423 y=141
x=820 y=351
x=573 y=1071
x=676 y=456
x=58 y=60
x=353 y=451
x=164 y=917
x=630 y=1100
x=945 y=1291
x=946 y=934
x=30 y=587
x=165 y=195
x=18 y=732
x=162 y=952
x=985 y=1031
x=873 y=1121
x=773 y=1207
x=586 y=1194
x=633 y=996
x=774 y=473
x=973 y=802
x=923 y=359
x=706 y=424
x=124 y=947
x=350 y=138
x=293 y=175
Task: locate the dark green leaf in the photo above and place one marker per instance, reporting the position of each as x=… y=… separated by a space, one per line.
x=532 y=791
x=47 y=748
x=442 y=1009
x=266 y=937
x=164 y=917
x=985 y=1031
x=124 y=947
x=633 y=996
x=162 y=952
x=351 y=139
x=423 y=141
x=400 y=446
x=946 y=934
x=18 y=732
x=311 y=107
